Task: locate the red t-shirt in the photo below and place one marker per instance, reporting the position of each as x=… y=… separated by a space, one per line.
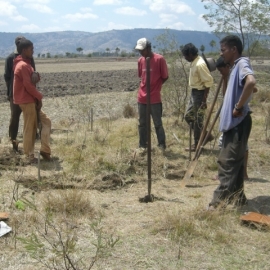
x=158 y=72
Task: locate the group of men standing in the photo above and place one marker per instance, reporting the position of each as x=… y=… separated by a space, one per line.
x=235 y=119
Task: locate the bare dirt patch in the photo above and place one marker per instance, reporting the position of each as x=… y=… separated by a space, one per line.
x=73 y=82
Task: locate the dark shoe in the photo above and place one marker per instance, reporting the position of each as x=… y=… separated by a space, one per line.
x=33 y=161
x=46 y=156
x=192 y=149
x=15 y=145
x=209 y=139
x=162 y=147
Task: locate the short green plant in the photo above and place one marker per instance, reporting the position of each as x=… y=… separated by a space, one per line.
x=61 y=245
x=20 y=205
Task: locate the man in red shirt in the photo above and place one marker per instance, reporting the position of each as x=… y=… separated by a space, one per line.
x=26 y=95
x=159 y=74
x=14 y=108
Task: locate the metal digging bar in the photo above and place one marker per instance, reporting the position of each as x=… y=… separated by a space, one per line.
x=149 y=197
x=202 y=139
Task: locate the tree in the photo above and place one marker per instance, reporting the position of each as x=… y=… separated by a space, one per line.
x=212 y=44
x=107 y=50
x=202 y=48
x=247 y=19
x=117 y=50
x=123 y=53
x=67 y=54
x=175 y=91
x=79 y=49
x=48 y=55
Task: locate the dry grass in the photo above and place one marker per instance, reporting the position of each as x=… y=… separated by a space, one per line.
x=70 y=202
x=96 y=179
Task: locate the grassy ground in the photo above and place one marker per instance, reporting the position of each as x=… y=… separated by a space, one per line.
x=85 y=207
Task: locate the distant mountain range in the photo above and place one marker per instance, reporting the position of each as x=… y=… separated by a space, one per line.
x=68 y=41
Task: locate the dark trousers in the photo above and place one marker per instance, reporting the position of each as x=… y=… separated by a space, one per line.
x=231 y=164
x=194 y=114
x=14 y=119
x=156 y=113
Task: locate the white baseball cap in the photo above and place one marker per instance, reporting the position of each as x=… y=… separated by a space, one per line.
x=141 y=44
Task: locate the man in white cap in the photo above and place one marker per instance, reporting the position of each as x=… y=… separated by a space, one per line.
x=158 y=75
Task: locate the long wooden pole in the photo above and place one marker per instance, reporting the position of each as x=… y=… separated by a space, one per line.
x=202 y=137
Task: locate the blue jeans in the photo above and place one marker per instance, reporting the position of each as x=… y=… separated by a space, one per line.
x=156 y=113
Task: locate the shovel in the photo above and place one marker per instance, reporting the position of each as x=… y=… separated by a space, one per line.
x=203 y=138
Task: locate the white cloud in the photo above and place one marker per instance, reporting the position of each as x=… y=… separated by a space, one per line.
x=53 y=29
x=174 y=6
x=3 y=23
x=37 y=1
x=107 y=2
x=7 y=9
x=203 y=24
x=80 y=16
x=166 y=18
x=86 y=9
x=130 y=11
x=38 y=7
x=29 y=28
x=201 y=19
x=177 y=26
x=19 y=18
x=115 y=26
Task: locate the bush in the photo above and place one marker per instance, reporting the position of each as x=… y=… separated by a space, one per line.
x=129 y=111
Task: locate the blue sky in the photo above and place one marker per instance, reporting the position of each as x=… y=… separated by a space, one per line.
x=36 y=16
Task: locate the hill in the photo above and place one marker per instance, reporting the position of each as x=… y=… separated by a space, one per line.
x=67 y=41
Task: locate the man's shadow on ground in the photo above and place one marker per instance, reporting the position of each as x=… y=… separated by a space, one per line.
x=259 y=204
x=256 y=180
x=53 y=164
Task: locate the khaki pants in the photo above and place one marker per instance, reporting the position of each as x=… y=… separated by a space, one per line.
x=30 y=128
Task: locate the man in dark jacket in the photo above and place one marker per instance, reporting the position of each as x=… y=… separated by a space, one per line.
x=14 y=108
